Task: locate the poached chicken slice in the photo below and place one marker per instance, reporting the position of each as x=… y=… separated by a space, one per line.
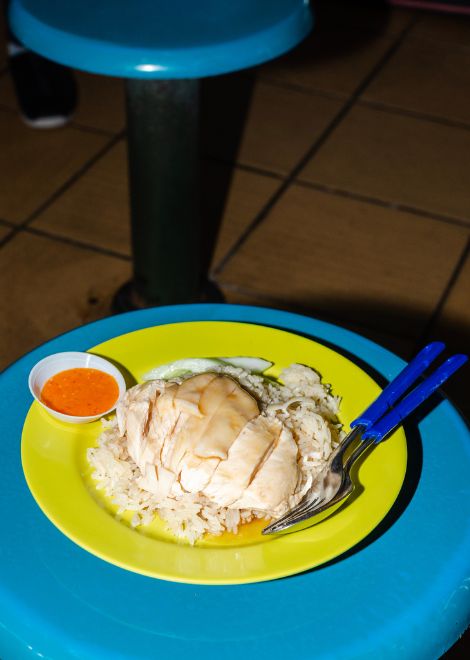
x=134 y=415
x=228 y=407
x=206 y=435
x=208 y=393
x=277 y=478
x=245 y=457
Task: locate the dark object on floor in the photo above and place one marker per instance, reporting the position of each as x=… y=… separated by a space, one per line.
x=46 y=91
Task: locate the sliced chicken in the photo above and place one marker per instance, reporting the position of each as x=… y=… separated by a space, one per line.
x=245 y=457
x=163 y=421
x=229 y=408
x=144 y=392
x=226 y=408
x=190 y=391
x=197 y=472
x=159 y=481
x=138 y=403
x=277 y=478
x=203 y=394
x=206 y=435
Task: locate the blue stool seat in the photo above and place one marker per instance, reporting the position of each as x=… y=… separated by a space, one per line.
x=401 y=594
x=160 y=38
x=162 y=48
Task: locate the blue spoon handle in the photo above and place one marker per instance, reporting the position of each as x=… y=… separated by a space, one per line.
x=394 y=418
x=399 y=385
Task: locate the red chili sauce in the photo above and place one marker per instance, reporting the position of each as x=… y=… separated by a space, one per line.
x=81 y=392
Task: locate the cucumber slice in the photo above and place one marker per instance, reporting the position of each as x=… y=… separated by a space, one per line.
x=253 y=364
x=180 y=367
x=200 y=365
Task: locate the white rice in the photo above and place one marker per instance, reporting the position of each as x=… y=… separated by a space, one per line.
x=302 y=402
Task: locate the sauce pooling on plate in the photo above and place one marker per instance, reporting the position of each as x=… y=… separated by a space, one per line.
x=81 y=392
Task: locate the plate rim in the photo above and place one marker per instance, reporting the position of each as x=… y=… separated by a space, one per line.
x=275 y=573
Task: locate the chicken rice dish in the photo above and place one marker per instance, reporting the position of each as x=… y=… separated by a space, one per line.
x=208 y=452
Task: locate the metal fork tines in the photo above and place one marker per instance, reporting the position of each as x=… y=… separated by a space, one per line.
x=334 y=483
x=325 y=486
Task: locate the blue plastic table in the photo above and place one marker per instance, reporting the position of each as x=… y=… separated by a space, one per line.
x=403 y=593
x=162 y=48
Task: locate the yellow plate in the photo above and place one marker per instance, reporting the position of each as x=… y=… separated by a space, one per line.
x=58 y=475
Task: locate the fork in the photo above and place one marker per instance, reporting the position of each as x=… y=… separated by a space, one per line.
x=334 y=483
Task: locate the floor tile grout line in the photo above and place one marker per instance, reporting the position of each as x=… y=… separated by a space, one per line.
x=440 y=42
x=92 y=129
x=375 y=201
x=395 y=110
x=10 y=231
x=265 y=298
x=318 y=143
x=246 y=167
x=65 y=186
x=297 y=87
x=425 y=335
x=75 y=243
x=378 y=105
x=383 y=107
x=339 y=192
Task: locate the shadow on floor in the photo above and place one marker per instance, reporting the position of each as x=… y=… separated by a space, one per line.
x=225 y=101
x=400 y=330
x=341 y=27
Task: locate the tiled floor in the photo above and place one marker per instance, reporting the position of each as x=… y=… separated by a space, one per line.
x=349 y=195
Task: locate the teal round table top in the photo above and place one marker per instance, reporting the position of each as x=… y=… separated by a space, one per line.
x=404 y=592
x=159 y=38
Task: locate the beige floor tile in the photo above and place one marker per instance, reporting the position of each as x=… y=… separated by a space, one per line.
x=4 y=231
x=95 y=209
x=245 y=197
x=443 y=27
x=349 y=260
x=334 y=63
x=426 y=77
x=398 y=159
x=281 y=126
x=34 y=164
x=347 y=41
x=100 y=106
x=454 y=319
x=48 y=287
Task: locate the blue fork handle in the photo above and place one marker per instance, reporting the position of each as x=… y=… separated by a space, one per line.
x=398 y=386
x=394 y=418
